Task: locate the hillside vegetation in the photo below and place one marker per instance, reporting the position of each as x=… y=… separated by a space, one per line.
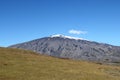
x=26 y=65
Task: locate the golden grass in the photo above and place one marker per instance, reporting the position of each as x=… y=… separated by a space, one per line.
x=26 y=65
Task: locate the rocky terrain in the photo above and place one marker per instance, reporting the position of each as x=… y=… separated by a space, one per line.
x=74 y=48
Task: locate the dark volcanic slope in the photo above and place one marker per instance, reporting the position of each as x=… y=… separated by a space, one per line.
x=72 y=48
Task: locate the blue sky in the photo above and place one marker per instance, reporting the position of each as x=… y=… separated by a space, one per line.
x=24 y=20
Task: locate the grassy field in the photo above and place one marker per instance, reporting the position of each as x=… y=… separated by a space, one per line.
x=26 y=65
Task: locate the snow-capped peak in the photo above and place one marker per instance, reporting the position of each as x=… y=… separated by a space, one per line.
x=63 y=36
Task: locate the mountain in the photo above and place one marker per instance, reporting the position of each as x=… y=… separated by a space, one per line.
x=18 y=64
x=74 y=48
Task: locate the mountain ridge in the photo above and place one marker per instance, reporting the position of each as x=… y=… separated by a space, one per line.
x=68 y=47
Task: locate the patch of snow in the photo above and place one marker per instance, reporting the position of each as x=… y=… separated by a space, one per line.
x=63 y=36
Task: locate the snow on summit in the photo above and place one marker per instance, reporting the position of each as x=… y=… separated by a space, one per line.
x=63 y=36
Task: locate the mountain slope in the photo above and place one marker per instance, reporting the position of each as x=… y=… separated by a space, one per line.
x=26 y=65
x=74 y=48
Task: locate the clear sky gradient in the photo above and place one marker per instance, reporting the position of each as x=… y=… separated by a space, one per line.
x=24 y=20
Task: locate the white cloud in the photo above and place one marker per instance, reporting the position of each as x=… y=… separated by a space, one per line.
x=72 y=31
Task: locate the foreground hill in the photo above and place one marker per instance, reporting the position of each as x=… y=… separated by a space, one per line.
x=26 y=65
x=74 y=48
